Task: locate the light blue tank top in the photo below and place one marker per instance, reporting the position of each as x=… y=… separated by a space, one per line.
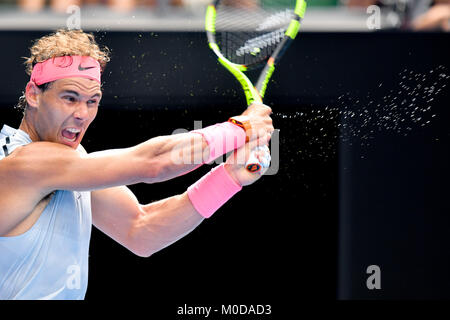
x=50 y=260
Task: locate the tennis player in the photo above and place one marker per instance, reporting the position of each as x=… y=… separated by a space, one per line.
x=53 y=191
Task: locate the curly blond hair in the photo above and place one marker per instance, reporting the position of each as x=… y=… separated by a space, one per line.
x=63 y=43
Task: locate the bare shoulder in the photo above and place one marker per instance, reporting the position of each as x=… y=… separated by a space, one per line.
x=28 y=166
x=40 y=150
x=32 y=156
x=20 y=185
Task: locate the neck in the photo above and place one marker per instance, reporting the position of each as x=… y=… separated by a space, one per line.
x=27 y=127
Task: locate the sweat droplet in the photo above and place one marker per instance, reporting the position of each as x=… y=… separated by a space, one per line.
x=396 y=112
x=358 y=119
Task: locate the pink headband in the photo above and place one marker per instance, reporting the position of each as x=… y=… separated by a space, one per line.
x=66 y=67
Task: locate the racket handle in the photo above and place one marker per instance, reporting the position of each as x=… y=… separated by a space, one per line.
x=253 y=164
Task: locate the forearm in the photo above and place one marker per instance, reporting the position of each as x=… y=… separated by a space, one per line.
x=157 y=225
x=172 y=156
x=161 y=223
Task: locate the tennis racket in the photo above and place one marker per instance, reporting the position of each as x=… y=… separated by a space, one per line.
x=250 y=35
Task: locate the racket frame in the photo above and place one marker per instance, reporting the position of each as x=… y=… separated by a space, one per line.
x=254 y=93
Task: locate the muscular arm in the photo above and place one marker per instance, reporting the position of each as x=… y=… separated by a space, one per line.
x=146 y=229
x=35 y=170
x=143 y=229
x=50 y=166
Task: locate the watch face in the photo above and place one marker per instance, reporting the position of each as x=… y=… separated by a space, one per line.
x=241 y=119
x=243 y=122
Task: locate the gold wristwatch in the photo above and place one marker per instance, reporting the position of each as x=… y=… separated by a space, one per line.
x=243 y=122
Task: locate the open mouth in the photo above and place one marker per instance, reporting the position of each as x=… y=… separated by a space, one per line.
x=70 y=134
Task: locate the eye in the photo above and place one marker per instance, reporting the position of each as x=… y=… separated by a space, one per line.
x=69 y=98
x=92 y=101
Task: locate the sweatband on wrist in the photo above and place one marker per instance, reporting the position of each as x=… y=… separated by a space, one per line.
x=66 y=67
x=222 y=138
x=209 y=193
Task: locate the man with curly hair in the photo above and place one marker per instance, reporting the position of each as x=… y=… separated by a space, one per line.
x=53 y=191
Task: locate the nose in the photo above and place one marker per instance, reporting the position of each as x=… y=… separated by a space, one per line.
x=82 y=111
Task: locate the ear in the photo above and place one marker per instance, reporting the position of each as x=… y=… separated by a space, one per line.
x=32 y=94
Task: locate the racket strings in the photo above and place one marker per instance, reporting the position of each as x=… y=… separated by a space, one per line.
x=238 y=49
x=248 y=34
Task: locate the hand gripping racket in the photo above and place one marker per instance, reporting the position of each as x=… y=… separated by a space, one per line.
x=252 y=34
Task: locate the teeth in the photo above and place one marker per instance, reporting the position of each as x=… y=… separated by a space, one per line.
x=71 y=140
x=73 y=130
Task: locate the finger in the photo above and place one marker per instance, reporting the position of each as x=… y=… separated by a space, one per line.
x=254 y=134
x=265 y=164
x=255 y=154
x=266 y=110
x=263 y=155
x=253 y=144
x=260 y=107
x=260 y=155
x=264 y=140
x=264 y=150
x=263 y=170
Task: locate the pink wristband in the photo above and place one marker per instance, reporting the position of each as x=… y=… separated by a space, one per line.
x=222 y=138
x=214 y=189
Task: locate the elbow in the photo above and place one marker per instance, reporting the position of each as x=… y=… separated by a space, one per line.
x=142 y=254
x=139 y=246
x=140 y=250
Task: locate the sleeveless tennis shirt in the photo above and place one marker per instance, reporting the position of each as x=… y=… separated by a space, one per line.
x=50 y=260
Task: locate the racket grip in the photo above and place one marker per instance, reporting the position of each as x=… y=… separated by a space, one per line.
x=253 y=164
